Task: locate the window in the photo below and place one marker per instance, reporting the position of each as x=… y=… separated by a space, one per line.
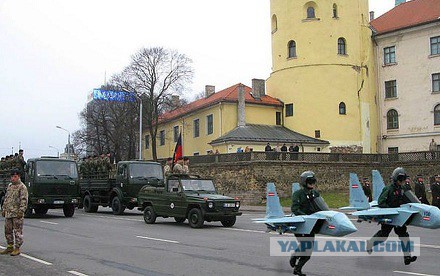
x=341 y=46
x=435 y=45
x=278 y=118
x=436 y=82
x=175 y=133
x=147 y=141
x=162 y=137
x=437 y=115
x=389 y=55
x=209 y=124
x=393 y=150
x=292 y=49
x=317 y=134
x=289 y=110
x=335 y=11
x=392 y=119
x=310 y=12
x=390 y=89
x=196 y=129
x=196 y=153
x=342 y=109
x=274 y=23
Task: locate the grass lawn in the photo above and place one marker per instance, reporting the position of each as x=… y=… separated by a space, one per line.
x=334 y=199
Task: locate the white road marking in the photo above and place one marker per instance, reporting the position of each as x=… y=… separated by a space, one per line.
x=154 y=239
x=48 y=222
x=413 y=273
x=77 y=273
x=31 y=258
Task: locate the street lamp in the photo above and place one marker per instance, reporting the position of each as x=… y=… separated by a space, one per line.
x=140 y=123
x=58 y=151
x=68 y=141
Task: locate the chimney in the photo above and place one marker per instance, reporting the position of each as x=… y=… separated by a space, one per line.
x=241 y=119
x=258 y=88
x=371 y=15
x=209 y=90
x=175 y=101
x=398 y=2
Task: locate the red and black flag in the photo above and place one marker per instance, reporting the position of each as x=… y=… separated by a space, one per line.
x=178 y=150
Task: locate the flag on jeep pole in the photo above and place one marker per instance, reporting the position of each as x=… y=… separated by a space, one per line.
x=178 y=150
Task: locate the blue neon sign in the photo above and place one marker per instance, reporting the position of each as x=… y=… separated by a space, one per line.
x=114 y=96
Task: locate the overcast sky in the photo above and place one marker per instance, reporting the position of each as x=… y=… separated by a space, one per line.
x=53 y=53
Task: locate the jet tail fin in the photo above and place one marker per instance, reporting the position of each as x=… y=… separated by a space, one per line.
x=295 y=187
x=378 y=184
x=357 y=195
x=273 y=205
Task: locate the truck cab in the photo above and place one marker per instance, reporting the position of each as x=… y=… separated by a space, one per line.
x=188 y=197
x=52 y=183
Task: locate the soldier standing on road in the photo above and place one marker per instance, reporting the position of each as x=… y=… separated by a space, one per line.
x=186 y=165
x=393 y=196
x=419 y=189
x=367 y=189
x=435 y=191
x=167 y=169
x=178 y=167
x=14 y=207
x=303 y=204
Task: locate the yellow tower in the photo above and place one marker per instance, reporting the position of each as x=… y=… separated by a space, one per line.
x=323 y=71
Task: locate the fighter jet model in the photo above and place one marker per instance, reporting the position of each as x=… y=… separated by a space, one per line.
x=414 y=213
x=324 y=222
x=358 y=199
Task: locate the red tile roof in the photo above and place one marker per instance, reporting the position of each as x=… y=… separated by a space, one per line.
x=409 y=14
x=229 y=94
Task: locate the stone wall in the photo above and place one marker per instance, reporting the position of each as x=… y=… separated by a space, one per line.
x=247 y=180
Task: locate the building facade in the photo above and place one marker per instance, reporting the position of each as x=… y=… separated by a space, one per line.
x=323 y=70
x=407 y=42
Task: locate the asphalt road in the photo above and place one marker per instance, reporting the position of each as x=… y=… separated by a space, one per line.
x=104 y=244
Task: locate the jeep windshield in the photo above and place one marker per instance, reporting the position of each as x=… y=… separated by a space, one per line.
x=146 y=171
x=198 y=185
x=56 y=169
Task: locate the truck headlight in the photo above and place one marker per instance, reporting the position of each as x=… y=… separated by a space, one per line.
x=210 y=205
x=237 y=204
x=41 y=201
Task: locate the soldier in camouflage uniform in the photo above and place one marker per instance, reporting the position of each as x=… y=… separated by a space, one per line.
x=178 y=167
x=13 y=210
x=167 y=169
x=186 y=165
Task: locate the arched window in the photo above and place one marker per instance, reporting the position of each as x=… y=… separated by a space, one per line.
x=342 y=108
x=292 y=49
x=310 y=12
x=392 y=119
x=341 y=46
x=274 y=23
x=437 y=115
x=335 y=11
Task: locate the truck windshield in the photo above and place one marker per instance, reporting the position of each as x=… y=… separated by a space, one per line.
x=56 y=169
x=146 y=171
x=198 y=185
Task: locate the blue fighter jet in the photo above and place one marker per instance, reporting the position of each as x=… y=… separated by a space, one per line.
x=414 y=213
x=324 y=222
x=358 y=199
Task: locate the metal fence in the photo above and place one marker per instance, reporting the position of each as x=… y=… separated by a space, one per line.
x=315 y=157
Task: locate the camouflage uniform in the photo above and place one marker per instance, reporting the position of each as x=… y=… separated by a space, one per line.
x=185 y=169
x=178 y=168
x=167 y=170
x=14 y=207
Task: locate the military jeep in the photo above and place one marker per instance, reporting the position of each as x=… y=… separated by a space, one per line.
x=188 y=197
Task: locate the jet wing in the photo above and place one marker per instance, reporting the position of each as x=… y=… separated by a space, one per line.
x=283 y=220
x=377 y=212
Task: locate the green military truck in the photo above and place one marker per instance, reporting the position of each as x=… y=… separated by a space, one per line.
x=52 y=183
x=121 y=190
x=188 y=197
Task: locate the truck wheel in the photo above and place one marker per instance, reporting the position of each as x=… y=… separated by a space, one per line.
x=89 y=207
x=228 y=221
x=195 y=218
x=149 y=215
x=117 y=207
x=179 y=220
x=41 y=210
x=68 y=210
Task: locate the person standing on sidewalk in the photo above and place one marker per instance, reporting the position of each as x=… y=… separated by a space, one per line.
x=13 y=210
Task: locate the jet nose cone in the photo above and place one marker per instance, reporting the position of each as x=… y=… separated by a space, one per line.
x=435 y=217
x=344 y=225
